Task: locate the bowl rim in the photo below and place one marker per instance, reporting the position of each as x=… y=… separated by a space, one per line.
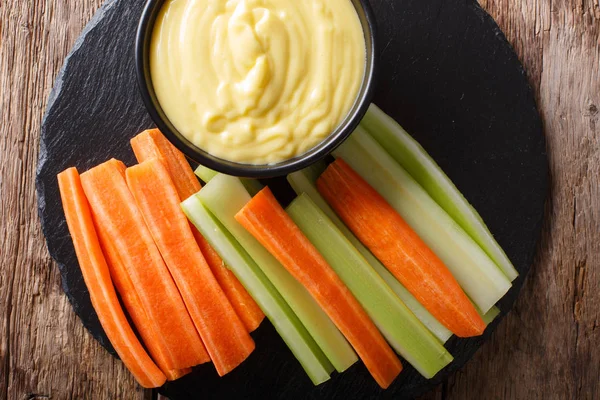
x=325 y=147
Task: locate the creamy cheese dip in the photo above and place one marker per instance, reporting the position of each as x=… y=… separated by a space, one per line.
x=257 y=81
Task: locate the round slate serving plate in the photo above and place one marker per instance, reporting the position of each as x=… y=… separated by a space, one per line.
x=446 y=73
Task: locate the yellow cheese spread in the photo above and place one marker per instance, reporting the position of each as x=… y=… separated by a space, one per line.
x=257 y=81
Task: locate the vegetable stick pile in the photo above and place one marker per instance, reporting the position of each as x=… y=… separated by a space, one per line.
x=379 y=257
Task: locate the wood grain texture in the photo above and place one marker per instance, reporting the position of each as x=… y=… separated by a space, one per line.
x=44 y=350
x=548 y=347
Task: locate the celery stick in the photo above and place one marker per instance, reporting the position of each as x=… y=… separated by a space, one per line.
x=489 y=316
x=303 y=182
x=405 y=333
x=295 y=335
x=415 y=160
x=224 y=196
x=313 y=171
x=253 y=186
x=205 y=173
x=478 y=275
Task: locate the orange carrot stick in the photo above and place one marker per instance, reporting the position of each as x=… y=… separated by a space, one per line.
x=399 y=248
x=152 y=143
x=223 y=333
x=97 y=279
x=120 y=222
x=264 y=218
x=156 y=344
x=154 y=341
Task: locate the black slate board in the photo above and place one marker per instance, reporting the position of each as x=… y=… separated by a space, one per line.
x=447 y=74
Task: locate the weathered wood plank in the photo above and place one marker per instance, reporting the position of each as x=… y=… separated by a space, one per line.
x=44 y=350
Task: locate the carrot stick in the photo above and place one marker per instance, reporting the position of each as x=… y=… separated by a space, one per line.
x=399 y=248
x=223 y=333
x=154 y=341
x=121 y=223
x=152 y=143
x=264 y=218
x=97 y=279
x=156 y=344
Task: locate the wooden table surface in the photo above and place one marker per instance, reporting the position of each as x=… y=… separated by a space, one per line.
x=548 y=347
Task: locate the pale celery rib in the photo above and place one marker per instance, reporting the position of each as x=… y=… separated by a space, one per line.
x=285 y=321
x=224 y=196
x=303 y=182
x=253 y=186
x=205 y=173
x=405 y=333
x=489 y=316
x=477 y=274
x=415 y=160
x=313 y=171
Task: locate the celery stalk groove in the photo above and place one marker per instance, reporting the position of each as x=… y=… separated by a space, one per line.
x=224 y=196
x=285 y=321
x=397 y=323
x=415 y=160
x=478 y=275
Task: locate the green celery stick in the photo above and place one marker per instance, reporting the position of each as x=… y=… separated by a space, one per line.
x=415 y=160
x=224 y=196
x=489 y=316
x=405 y=333
x=303 y=182
x=313 y=171
x=478 y=275
x=253 y=186
x=205 y=173
x=285 y=321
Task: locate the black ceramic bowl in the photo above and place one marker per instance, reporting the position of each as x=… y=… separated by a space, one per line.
x=363 y=99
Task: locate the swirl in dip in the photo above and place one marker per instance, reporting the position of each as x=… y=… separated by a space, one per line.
x=257 y=81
